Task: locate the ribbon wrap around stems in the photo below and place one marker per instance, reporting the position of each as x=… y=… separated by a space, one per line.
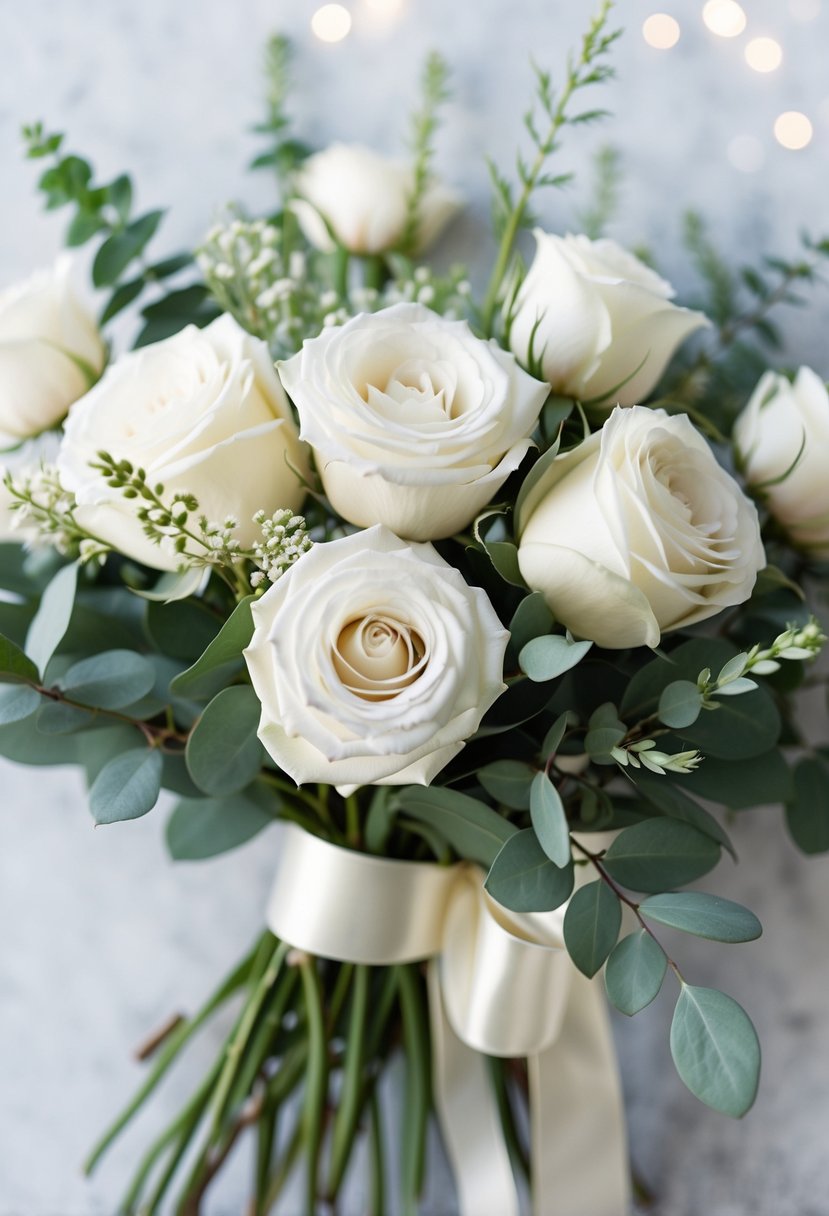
x=500 y=984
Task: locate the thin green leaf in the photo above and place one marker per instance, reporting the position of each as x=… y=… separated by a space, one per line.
x=710 y=916
x=591 y=926
x=472 y=828
x=549 y=820
x=52 y=617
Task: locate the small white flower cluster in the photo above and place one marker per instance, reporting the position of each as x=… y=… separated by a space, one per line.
x=284 y=540
x=449 y=294
x=265 y=287
x=43 y=508
x=644 y=754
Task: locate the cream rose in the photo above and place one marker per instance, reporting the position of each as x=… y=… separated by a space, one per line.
x=50 y=352
x=600 y=323
x=637 y=531
x=415 y=423
x=782 y=437
x=201 y=412
x=363 y=197
x=374 y=662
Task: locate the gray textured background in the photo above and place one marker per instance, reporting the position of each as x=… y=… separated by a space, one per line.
x=101 y=936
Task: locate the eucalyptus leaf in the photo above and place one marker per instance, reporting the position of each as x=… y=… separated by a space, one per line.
x=127 y=786
x=554 y=736
x=118 y=250
x=523 y=878
x=716 y=1050
x=17 y=701
x=508 y=781
x=223 y=751
x=205 y=827
x=175 y=585
x=58 y=718
x=532 y=619
x=473 y=829
x=660 y=854
x=807 y=814
x=222 y=656
x=549 y=820
x=740 y=784
x=710 y=916
x=674 y=803
x=634 y=972
x=181 y=629
x=546 y=658
x=109 y=680
x=591 y=926
x=680 y=704
x=52 y=617
x=14 y=664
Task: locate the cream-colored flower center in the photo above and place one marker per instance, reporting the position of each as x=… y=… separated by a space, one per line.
x=377 y=656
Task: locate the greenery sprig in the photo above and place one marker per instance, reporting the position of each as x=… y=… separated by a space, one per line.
x=425 y=122
x=511 y=213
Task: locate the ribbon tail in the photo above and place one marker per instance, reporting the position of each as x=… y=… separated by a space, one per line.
x=469 y=1119
x=579 y=1146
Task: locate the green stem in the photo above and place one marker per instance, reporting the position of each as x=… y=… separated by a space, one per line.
x=284 y=1168
x=170 y=1050
x=339 y=269
x=352 y=1092
x=418 y=1086
x=316 y=1079
x=353 y=829
x=377 y=1200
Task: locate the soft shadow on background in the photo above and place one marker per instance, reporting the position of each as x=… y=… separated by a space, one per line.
x=102 y=937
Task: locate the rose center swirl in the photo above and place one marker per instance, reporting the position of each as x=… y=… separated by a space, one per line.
x=377 y=656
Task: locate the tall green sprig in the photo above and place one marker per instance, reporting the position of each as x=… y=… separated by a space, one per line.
x=285 y=152
x=512 y=214
x=425 y=122
x=105 y=210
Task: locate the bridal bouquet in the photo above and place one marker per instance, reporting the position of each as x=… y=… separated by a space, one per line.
x=486 y=605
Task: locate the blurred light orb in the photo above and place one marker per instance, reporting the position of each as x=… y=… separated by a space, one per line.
x=661 y=31
x=746 y=153
x=793 y=130
x=764 y=54
x=331 y=23
x=804 y=10
x=725 y=18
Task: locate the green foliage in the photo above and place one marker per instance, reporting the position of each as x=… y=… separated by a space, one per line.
x=591 y=926
x=52 y=617
x=222 y=658
x=104 y=210
x=807 y=813
x=715 y=1050
x=223 y=752
x=284 y=153
x=606 y=189
x=473 y=829
x=425 y=122
x=531 y=619
x=660 y=854
x=200 y=828
x=14 y=664
x=549 y=820
x=546 y=658
x=127 y=786
x=552 y=111
x=741 y=784
x=112 y=679
x=711 y=916
x=634 y=972
x=523 y=879
x=675 y=804
x=17 y=701
x=680 y=704
x=508 y=782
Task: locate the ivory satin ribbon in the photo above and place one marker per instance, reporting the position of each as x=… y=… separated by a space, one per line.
x=500 y=984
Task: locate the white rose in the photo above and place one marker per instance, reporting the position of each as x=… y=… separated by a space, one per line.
x=783 y=439
x=601 y=324
x=415 y=422
x=363 y=197
x=202 y=412
x=50 y=352
x=637 y=531
x=374 y=662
